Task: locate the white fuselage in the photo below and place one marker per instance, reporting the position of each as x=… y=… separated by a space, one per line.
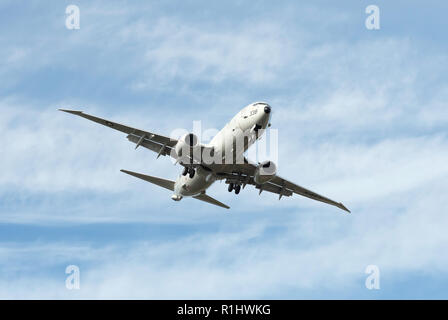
x=245 y=123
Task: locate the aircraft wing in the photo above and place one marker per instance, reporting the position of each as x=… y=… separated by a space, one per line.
x=155 y=142
x=285 y=184
x=244 y=174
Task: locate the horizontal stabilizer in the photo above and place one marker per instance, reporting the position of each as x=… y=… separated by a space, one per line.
x=206 y=198
x=167 y=184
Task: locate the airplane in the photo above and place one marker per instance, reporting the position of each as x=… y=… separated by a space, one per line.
x=221 y=159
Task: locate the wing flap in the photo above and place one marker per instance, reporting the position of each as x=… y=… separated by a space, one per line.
x=274 y=189
x=149 y=144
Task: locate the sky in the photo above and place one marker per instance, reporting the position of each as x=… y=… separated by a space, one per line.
x=361 y=118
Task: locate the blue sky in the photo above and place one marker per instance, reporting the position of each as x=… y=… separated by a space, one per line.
x=362 y=118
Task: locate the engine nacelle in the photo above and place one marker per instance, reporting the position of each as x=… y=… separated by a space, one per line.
x=186 y=144
x=265 y=172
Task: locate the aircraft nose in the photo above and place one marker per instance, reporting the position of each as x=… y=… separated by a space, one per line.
x=267 y=109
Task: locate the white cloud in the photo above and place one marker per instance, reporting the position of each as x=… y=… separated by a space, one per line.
x=315 y=252
x=252 y=53
x=353 y=127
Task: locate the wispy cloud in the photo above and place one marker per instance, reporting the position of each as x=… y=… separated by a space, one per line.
x=361 y=119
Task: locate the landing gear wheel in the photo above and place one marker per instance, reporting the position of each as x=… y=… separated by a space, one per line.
x=230 y=187
x=237 y=189
x=184 y=173
x=192 y=171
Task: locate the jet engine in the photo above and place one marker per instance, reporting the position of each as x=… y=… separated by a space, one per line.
x=265 y=172
x=185 y=145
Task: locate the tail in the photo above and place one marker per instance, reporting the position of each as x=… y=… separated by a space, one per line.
x=168 y=184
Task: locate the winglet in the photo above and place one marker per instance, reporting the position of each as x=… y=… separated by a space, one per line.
x=340 y=205
x=71 y=111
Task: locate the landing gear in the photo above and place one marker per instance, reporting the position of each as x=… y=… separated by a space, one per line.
x=237 y=189
x=189 y=171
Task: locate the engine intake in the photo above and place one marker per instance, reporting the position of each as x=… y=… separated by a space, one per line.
x=265 y=172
